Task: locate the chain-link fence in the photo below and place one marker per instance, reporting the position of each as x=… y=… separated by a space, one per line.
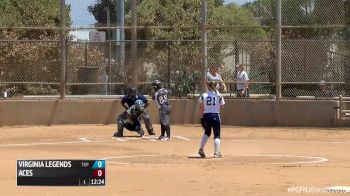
x=315 y=47
x=106 y=47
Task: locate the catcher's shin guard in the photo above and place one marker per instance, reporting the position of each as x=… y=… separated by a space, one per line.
x=140 y=132
x=148 y=123
x=151 y=132
x=120 y=127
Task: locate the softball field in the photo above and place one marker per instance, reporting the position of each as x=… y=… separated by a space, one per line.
x=257 y=161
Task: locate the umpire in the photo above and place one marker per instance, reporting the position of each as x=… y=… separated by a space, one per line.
x=127 y=101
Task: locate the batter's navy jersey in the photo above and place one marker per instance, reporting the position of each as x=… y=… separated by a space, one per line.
x=130 y=101
x=212 y=102
x=161 y=98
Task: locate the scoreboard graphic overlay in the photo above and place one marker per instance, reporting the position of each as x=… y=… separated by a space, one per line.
x=61 y=172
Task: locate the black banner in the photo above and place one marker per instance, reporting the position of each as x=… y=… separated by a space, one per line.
x=61 y=172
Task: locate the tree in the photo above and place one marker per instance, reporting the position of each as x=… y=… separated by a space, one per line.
x=180 y=20
x=313 y=56
x=29 y=61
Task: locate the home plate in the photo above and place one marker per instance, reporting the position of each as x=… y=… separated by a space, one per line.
x=339 y=189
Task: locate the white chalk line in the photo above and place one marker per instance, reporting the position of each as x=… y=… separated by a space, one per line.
x=50 y=143
x=147 y=138
x=125 y=139
x=183 y=138
x=84 y=139
x=119 y=139
x=142 y=155
x=152 y=139
x=81 y=140
x=285 y=141
x=132 y=156
x=315 y=160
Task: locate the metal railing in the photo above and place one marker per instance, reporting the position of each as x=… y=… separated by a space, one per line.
x=343 y=109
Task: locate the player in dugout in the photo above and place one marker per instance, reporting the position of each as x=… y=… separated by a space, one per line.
x=127 y=101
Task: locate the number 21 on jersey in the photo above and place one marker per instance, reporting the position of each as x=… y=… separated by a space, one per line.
x=211 y=100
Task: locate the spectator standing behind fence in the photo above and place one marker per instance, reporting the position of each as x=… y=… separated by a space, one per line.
x=323 y=90
x=242 y=82
x=213 y=75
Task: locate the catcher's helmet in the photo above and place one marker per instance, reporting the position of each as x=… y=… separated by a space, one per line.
x=156 y=85
x=139 y=105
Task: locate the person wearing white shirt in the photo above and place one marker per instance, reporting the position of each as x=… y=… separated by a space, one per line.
x=211 y=102
x=213 y=75
x=242 y=81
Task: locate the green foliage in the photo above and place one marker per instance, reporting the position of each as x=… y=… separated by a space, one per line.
x=304 y=12
x=43 y=13
x=30 y=61
x=40 y=90
x=180 y=20
x=23 y=13
x=264 y=10
x=99 y=11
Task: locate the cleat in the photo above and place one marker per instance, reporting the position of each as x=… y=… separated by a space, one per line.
x=160 y=137
x=118 y=134
x=217 y=155
x=151 y=132
x=165 y=139
x=201 y=153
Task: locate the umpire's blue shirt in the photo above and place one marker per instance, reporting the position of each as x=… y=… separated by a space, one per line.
x=130 y=101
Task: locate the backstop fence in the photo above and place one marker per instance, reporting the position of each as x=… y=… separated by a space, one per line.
x=289 y=48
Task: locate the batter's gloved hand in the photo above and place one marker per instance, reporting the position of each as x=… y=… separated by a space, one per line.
x=202 y=123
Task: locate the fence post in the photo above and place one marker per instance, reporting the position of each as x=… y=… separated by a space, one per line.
x=120 y=36
x=340 y=107
x=169 y=64
x=62 y=49
x=204 y=51
x=108 y=88
x=133 y=68
x=236 y=52
x=279 y=49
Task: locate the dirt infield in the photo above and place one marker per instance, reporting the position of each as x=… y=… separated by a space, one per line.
x=257 y=161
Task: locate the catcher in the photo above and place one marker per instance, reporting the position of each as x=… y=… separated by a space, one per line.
x=127 y=101
x=133 y=121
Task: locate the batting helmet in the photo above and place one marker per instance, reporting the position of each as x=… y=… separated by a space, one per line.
x=156 y=85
